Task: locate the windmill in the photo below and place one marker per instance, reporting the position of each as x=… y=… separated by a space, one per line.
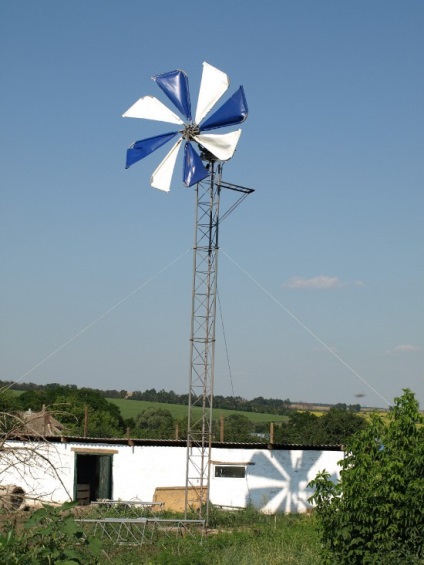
x=204 y=170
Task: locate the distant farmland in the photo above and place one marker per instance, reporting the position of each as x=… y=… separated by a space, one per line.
x=131 y=409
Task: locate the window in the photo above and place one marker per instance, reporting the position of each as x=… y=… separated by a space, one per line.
x=230 y=471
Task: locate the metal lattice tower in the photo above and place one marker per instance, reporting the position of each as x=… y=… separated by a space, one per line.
x=202 y=337
x=202 y=341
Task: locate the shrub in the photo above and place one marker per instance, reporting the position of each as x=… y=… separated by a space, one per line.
x=50 y=535
x=375 y=513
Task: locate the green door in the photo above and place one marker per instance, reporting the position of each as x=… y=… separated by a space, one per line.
x=105 y=476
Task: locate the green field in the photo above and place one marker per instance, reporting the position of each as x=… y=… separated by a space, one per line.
x=131 y=409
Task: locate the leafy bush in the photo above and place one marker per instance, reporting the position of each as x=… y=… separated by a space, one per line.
x=375 y=513
x=50 y=535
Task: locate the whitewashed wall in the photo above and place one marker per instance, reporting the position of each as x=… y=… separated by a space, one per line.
x=275 y=481
x=44 y=471
x=137 y=471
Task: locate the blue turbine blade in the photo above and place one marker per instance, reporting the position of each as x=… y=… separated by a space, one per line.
x=140 y=149
x=175 y=86
x=194 y=169
x=233 y=111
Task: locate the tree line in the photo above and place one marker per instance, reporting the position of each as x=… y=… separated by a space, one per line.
x=87 y=412
x=259 y=404
x=334 y=427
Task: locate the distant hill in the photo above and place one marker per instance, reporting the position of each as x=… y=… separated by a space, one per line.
x=260 y=409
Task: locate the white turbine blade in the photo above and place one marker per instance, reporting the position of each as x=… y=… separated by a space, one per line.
x=162 y=176
x=212 y=86
x=221 y=145
x=151 y=108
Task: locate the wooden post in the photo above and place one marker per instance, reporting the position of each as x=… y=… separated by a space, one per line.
x=86 y=421
x=45 y=419
x=221 y=428
x=177 y=431
x=271 y=433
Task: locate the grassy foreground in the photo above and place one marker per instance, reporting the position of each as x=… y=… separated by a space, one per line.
x=246 y=538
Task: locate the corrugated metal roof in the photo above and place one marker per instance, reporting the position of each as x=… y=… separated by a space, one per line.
x=183 y=443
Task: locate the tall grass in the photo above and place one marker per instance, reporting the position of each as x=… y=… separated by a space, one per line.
x=237 y=538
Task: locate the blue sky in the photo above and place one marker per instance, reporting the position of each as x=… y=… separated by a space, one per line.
x=320 y=270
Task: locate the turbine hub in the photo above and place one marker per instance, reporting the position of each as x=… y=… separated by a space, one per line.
x=190 y=131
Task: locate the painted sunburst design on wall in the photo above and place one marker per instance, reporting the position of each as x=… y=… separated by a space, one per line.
x=277 y=481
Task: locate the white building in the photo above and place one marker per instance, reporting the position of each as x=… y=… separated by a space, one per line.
x=270 y=478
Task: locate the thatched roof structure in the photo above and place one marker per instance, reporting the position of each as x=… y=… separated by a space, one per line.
x=39 y=424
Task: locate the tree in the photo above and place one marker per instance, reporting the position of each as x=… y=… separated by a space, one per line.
x=332 y=428
x=337 y=426
x=8 y=402
x=238 y=428
x=375 y=513
x=100 y=424
x=301 y=428
x=156 y=423
x=70 y=402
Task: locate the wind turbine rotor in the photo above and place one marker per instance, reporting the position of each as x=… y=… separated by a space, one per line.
x=175 y=85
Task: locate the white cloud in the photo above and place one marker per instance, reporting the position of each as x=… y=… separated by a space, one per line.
x=406 y=348
x=321 y=282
